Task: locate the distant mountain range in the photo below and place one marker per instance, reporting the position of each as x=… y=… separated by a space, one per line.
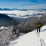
x=12 y=9
x=19 y=9
x=5 y=9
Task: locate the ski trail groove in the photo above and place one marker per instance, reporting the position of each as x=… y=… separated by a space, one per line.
x=41 y=40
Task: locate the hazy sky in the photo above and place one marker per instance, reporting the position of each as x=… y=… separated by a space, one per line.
x=23 y=4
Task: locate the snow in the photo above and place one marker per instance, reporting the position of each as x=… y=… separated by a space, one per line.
x=31 y=39
x=22 y=14
x=2 y=27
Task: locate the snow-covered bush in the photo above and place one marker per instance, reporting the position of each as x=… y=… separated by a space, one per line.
x=17 y=32
x=43 y=19
x=5 y=36
x=30 y=24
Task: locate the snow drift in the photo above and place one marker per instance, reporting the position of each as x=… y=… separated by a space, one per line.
x=31 y=39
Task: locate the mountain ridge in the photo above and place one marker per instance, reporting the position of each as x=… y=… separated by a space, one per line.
x=5 y=20
x=19 y=9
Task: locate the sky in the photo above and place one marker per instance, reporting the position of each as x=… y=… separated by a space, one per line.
x=23 y=4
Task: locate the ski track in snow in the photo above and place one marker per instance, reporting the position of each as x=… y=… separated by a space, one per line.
x=41 y=40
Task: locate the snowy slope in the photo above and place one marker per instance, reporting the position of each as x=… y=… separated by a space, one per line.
x=23 y=14
x=31 y=39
